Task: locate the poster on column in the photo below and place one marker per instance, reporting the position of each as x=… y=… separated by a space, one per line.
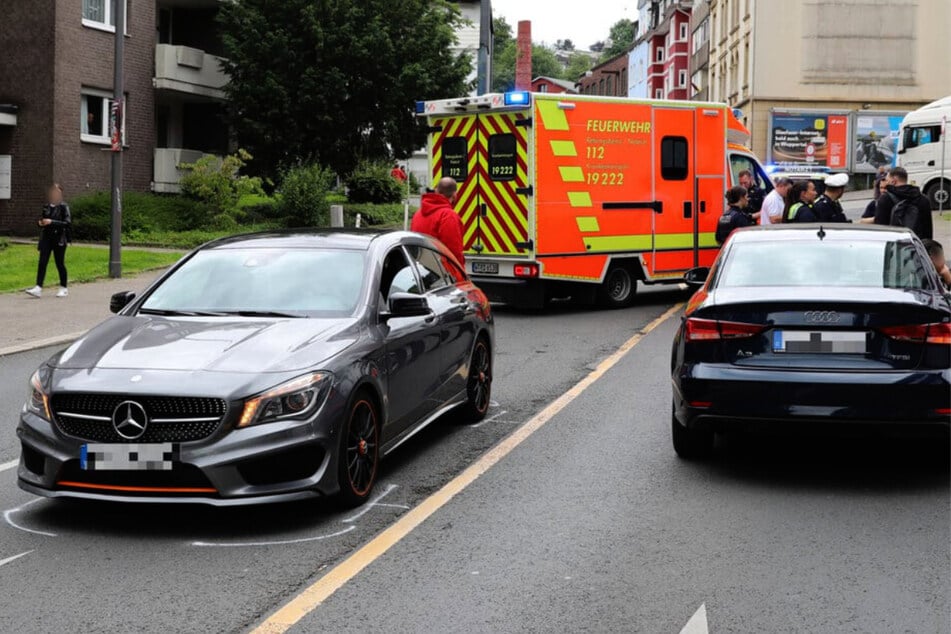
x=809 y=139
x=875 y=143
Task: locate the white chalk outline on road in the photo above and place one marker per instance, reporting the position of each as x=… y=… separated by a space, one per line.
x=41 y=343
x=9 y=513
x=283 y=542
x=375 y=502
x=490 y=419
x=311 y=597
x=9 y=465
x=4 y=562
x=698 y=622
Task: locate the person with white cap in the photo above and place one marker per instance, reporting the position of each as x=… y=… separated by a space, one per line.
x=828 y=208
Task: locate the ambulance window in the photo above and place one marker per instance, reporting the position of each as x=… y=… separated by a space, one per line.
x=740 y=163
x=455 y=158
x=673 y=158
x=502 y=159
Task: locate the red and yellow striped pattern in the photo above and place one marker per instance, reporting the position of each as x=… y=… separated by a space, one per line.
x=506 y=221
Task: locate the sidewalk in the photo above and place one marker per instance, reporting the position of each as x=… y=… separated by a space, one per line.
x=27 y=323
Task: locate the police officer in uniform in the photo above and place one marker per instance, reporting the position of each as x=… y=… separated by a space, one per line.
x=755 y=194
x=735 y=217
x=828 y=208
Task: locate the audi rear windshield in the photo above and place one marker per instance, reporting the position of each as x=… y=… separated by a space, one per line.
x=263 y=282
x=855 y=263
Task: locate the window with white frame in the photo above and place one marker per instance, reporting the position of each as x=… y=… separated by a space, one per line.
x=95 y=110
x=659 y=93
x=98 y=14
x=659 y=54
x=682 y=79
x=683 y=31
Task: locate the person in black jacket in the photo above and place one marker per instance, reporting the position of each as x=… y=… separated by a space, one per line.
x=55 y=223
x=735 y=216
x=799 y=202
x=915 y=208
x=828 y=208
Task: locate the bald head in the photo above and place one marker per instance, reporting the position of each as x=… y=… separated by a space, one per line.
x=446 y=187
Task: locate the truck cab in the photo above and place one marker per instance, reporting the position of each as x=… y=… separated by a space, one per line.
x=924 y=150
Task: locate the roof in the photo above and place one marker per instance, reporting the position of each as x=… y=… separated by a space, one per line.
x=564 y=83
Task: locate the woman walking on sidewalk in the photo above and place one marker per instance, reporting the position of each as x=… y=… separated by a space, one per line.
x=54 y=236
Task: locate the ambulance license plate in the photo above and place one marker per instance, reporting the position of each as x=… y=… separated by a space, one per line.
x=812 y=342
x=127 y=456
x=490 y=268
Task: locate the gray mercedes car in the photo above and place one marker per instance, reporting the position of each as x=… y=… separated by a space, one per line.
x=262 y=368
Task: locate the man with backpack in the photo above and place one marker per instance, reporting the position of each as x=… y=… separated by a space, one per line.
x=903 y=205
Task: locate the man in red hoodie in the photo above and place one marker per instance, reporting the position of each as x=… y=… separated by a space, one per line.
x=438 y=219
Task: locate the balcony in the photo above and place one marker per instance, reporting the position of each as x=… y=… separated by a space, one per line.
x=189 y=70
x=166 y=175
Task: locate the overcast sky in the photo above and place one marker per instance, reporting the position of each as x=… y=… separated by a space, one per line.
x=584 y=22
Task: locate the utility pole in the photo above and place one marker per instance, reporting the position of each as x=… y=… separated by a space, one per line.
x=118 y=114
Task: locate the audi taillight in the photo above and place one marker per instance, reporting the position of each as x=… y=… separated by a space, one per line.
x=920 y=333
x=714 y=329
x=526 y=270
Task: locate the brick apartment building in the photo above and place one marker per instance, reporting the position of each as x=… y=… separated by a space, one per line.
x=608 y=78
x=56 y=68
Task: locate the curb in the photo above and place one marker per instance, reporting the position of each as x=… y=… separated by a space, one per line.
x=41 y=343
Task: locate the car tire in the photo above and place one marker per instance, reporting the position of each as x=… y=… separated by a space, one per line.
x=690 y=444
x=619 y=288
x=479 y=383
x=939 y=191
x=359 y=460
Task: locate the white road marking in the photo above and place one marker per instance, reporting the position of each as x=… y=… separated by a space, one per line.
x=4 y=562
x=489 y=419
x=369 y=505
x=8 y=518
x=698 y=622
x=9 y=465
x=282 y=542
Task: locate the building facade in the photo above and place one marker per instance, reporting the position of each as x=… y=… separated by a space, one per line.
x=854 y=58
x=667 y=37
x=700 y=51
x=609 y=78
x=475 y=39
x=58 y=77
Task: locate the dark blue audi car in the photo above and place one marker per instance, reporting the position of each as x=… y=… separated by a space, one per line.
x=805 y=325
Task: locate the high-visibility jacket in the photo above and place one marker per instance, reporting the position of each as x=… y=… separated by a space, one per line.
x=800 y=212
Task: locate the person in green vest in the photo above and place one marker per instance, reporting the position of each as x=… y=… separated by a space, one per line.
x=799 y=202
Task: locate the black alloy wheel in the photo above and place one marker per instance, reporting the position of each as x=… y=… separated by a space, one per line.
x=479 y=387
x=360 y=455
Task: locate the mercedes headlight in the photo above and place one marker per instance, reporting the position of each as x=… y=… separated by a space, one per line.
x=295 y=399
x=39 y=402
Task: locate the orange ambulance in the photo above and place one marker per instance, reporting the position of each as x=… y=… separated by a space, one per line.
x=584 y=196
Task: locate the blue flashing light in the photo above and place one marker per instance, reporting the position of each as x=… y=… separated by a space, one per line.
x=738 y=114
x=420 y=107
x=516 y=98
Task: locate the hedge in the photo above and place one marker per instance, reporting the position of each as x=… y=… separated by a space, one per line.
x=92 y=214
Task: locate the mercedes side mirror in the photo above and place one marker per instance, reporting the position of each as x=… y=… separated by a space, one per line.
x=407 y=305
x=697 y=277
x=121 y=300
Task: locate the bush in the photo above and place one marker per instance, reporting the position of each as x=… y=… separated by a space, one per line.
x=304 y=195
x=255 y=208
x=372 y=183
x=188 y=239
x=92 y=214
x=217 y=182
x=3 y=244
x=386 y=215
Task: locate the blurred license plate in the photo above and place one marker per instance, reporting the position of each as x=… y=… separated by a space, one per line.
x=812 y=342
x=127 y=457
x=486 y=267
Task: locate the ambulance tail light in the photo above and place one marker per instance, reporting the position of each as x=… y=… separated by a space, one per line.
x=516 y=98
x=526 y=270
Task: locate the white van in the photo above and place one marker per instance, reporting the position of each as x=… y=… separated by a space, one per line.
x=920 y=151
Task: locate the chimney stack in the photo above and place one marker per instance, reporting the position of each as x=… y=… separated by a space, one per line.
x=523 y=56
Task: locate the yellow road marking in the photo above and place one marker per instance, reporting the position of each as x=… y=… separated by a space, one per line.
x=314 y=595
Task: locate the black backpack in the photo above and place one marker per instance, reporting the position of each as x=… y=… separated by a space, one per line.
x=904 y=212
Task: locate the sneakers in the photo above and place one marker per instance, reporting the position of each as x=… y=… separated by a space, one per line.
x=36 y=291
x=63 y=292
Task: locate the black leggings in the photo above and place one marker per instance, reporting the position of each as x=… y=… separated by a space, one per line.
x=59 y=255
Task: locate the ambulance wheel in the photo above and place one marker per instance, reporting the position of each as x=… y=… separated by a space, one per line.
x=619 y=287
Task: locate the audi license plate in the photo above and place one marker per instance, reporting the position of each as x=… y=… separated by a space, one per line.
x=490 y=268
x=127 y=457
x=813 y=342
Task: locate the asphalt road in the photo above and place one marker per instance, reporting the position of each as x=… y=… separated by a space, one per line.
x=109 y=568
x=593 y=525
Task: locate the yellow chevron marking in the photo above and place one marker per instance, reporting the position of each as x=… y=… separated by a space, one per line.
x=588 y=224
x=571 y=174
x=563 y=148
x=553 y=117
x=579 y=199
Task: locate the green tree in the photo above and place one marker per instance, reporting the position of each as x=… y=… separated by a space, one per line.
x=578 y=65
x=544 y=60
x=621 y=39
x=330 y=82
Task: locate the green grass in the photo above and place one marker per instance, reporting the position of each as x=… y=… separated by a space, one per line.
x=18 y=265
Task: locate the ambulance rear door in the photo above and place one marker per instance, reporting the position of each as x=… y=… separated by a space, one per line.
x=675 y=221
x=454 y=153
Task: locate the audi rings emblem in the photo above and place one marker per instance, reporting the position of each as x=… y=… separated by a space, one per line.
x=822 y=316
x=129 y=420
